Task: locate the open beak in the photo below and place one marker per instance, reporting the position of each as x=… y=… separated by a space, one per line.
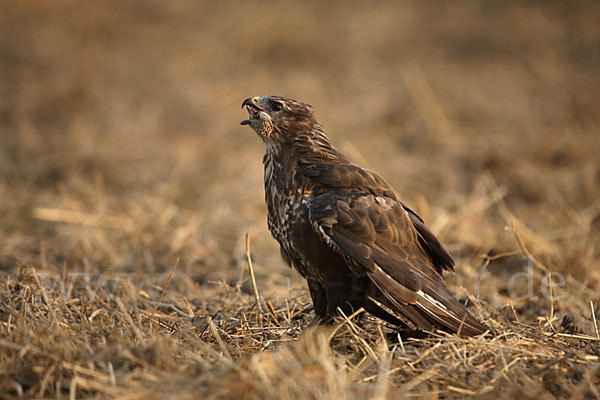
x=250 y=101
x=253 y=109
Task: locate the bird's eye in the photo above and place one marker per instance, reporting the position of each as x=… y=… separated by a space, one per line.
x=276 y=106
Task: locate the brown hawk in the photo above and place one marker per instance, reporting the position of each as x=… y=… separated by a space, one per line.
x=343 y=228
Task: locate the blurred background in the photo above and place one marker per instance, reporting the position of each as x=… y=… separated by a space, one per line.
x=121 y=149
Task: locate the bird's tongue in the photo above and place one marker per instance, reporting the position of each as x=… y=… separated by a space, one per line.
x=253 y=113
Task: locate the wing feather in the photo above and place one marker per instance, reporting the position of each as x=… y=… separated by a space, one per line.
x=378 y=236
x=334 y=175
x=353 y=177
x=432 y=246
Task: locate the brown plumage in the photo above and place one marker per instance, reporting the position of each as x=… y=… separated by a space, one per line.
x=343 y=228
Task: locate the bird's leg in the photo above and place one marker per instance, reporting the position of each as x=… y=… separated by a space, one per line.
x=319 y=299
x=343 y=292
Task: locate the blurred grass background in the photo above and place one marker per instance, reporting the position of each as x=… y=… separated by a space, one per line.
x=121 y=150
x=131 y=110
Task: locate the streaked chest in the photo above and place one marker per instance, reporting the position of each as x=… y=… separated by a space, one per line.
x=286 y=195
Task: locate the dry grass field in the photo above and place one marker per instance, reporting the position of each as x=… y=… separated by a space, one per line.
x=127 y=187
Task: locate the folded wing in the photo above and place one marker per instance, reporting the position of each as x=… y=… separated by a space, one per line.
x=379 y=236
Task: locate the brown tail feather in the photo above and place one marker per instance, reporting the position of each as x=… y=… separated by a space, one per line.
x=428 y=310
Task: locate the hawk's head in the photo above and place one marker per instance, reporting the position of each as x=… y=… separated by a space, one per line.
x=277 y=118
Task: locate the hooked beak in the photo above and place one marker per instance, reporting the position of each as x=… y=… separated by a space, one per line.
x=253 y=108
x=250 y=101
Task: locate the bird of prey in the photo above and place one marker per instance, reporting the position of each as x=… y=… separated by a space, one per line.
x=343 y=228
